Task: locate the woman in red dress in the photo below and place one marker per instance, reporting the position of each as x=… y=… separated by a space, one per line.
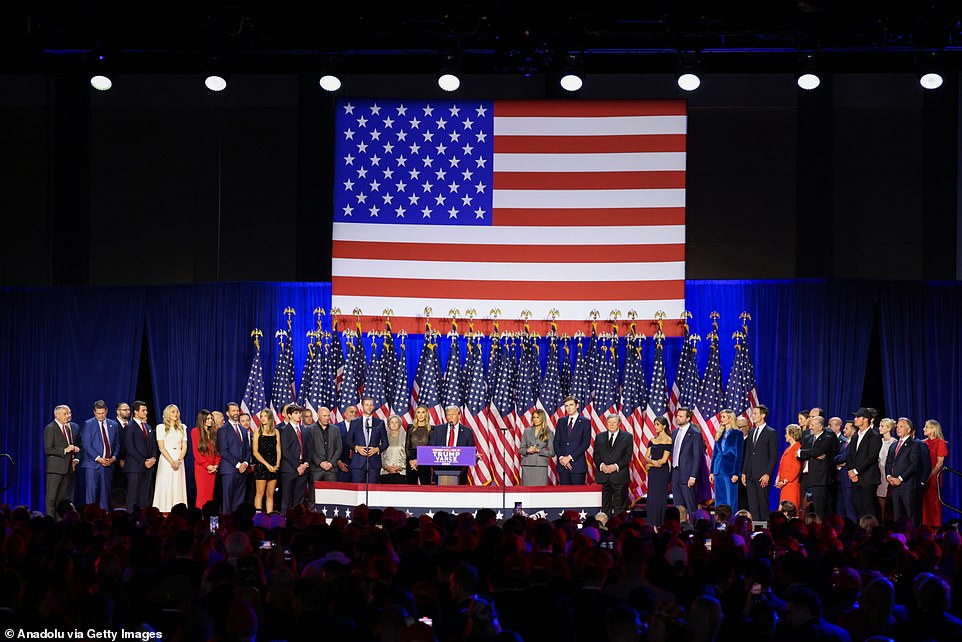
x=203 y=441
x=789 y=468
x=938 y=450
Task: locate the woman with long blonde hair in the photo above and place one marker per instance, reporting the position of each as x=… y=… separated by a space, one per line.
x=170 y=486
x=938 y=451
x=267 y=451
x=418 y=434
x=537 y=449
x=726 y=460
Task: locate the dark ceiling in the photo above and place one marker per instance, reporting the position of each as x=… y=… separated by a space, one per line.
x=487 y=37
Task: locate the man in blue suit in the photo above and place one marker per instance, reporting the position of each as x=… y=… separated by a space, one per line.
x=571 y=441
x=453 y=433
x=235 y=457
x=687 y=459
x=140 y=449
x=100 y=447
x=295 y=459
x=367 y=438
x=902 y=471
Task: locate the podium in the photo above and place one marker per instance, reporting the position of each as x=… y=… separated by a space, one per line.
x=447 y=461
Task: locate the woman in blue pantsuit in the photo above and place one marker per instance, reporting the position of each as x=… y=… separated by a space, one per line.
x=726 y=460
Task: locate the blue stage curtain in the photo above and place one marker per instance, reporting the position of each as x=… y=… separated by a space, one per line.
x=61 y=346
x=809 y=339
x=200 y=344
x=921 y=335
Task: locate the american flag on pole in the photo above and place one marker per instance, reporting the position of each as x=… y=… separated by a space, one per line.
x=326 y=396
x=657 y=393
x=402 y=396
x=682 y=387
x=606 y=400
x=348 y=395
x=741 y=381
x=282 y=388
x=634 y=399
x=336 y=367
x=502 y=415
x=565 y=374
x=474 y=413
x=709 y=406
x=749 y=364
x=425 y=391
x=254 y=399
x=307 y=395
x=551 y=400
x=389 y=370
x=580 y=388
x=436 y=202
x=526 y=393
x=451 y=384
x=374 y=383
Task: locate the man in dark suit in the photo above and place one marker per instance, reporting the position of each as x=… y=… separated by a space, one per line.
x=122 y=412
x=687 y=459
x=862 y=463
x=60 y=448
x=902 y=469
x=453 y=433
x=99 y=454
x=761 y=455
x=612 y=456
x=326 y=447
x=235 y=457
x=344 y=464
x=140 y=446
x=817 y=455
x=295 y=459
x=571 y=441
x=367 y=437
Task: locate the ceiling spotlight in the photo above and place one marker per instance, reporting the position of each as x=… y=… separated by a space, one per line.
x=930 y=80
x=809 y=81
x=215 y=82
x=449 y=81
x=330 y=82
x=101 y=82
x=689 y=81
x=571 y=81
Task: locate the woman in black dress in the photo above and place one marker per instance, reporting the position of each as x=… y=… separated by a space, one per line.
x=267 y=450
x=659 y=472
x=419 y=434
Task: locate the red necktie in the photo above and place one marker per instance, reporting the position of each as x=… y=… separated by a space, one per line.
x=103 y=433
x=237 y=430
x=144 y=428
x=898 y=448
x=450 y=435
x=65 y=435
x=300 y=442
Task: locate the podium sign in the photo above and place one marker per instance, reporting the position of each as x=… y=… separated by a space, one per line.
x=447 y=461
x=447 y=456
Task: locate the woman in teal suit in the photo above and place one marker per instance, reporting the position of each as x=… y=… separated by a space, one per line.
x=726 y=460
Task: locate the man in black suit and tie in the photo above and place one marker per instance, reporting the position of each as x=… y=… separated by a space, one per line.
x=902 y=469
x=862 y=463
x=687 y=459
x=367 y=437
x=295 y=459
x=235 y=458
x=453 y=433
x=612 y=457
x=140 y=444
x=761 y=455
x=571 y=441
x=817 y=455
x=60 y=448
x=122 y=417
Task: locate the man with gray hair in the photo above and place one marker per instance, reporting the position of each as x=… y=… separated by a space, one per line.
x=453 y=433
x=327 y=447
x=60 y=447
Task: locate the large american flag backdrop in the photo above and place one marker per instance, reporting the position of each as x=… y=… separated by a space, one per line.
x=540 y=205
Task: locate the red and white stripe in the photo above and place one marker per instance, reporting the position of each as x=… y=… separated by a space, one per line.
x=480 y=474
x=634 y=424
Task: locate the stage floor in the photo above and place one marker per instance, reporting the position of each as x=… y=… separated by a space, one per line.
x=334 y=499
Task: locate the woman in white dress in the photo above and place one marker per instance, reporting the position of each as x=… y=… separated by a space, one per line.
x=170 y=487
